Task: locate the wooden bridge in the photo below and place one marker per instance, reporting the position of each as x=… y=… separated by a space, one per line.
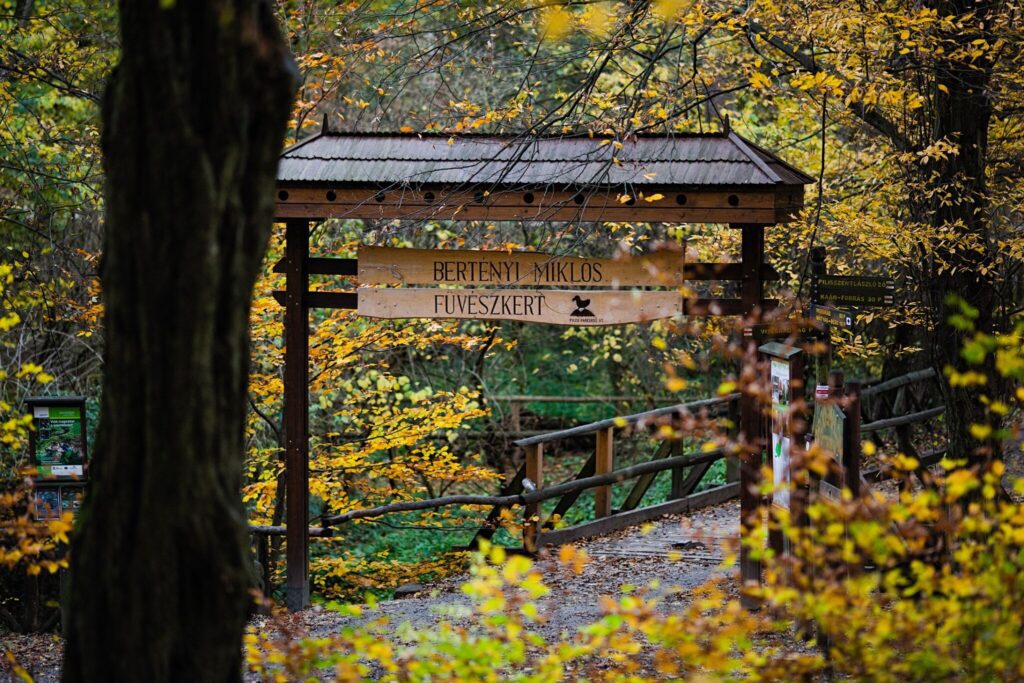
x=892 y=409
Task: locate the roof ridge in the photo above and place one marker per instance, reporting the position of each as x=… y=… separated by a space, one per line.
x=756 y=158
x=319 y=157
x=780 y=160
x=300 y=143
x=526 y=136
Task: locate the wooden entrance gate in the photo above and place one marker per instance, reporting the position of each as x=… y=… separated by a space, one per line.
x=708 y=178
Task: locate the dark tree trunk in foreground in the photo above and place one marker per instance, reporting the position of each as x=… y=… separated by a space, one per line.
x=193 y=122
x=961 y=112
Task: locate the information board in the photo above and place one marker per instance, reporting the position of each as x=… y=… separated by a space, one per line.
x=57 y=442
x=52 y=501
x=781 y=438
x=828 y=436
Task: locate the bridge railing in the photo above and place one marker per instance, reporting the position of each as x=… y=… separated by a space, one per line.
x=528 y=489
x=599 y=474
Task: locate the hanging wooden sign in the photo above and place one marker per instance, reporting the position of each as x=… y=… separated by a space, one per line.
x=553 y=306
x=388 y=266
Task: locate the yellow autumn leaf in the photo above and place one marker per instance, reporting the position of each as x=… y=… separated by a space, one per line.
x=555 y=22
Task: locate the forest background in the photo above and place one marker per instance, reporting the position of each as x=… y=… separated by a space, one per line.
x=909 y=115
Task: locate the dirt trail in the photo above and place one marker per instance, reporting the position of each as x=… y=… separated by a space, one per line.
x=680 y=552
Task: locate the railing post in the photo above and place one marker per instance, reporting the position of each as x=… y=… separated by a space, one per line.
x=678 y=473
x=851 y=437
x=535 y=473
x=603 y=465
x=732 y=464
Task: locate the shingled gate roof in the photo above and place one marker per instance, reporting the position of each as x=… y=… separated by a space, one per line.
x=406 y=159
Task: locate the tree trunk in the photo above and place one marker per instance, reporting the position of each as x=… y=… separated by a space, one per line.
x=961 y=113
x=193 y=122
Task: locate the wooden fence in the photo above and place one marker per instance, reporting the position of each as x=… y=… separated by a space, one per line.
x=900 y=399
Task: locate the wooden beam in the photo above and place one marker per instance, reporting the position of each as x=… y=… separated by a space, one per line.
x=687 y=484
x=765 y=206
x=751 y=441
x=567 y=501
x=347 y=300
x=348 y=267
x=622 y=520
x=296 y=415
x=752 y=264
x=490 y=525
x=704 y=307
x=319 y=265
x=644 y=482
x=603 y=464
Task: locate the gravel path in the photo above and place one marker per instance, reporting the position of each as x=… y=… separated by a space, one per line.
x=677 y=552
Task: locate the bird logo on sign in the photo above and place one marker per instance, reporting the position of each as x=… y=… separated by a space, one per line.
x=581 y=308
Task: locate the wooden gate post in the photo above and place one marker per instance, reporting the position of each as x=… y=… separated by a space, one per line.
x=603 y=465
x=531 y=515
x=296 y=414
x=750 y=428
x=750 y=439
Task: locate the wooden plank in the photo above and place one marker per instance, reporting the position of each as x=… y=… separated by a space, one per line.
x=704 y=206
x=347 y=300
x=890 y=422
x=703 y=307
x=603 y=464
x=390 y=266
x=319 y=265
x=902 y=380
x=567 y=501
x=712 y=405
x=369 y=198
x=387 y=266
x=692 y=479
x=682 y=214
x=644 y=482
x=489 y=527
x=622 y=520
x=531 y=514
x=552 y=306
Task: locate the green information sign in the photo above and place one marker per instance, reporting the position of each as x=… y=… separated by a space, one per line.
x=58 y=439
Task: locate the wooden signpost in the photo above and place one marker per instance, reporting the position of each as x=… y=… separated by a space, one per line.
x=553 y=306
x=387 y=266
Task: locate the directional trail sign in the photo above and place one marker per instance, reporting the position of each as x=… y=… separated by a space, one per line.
x=853 y=290
x=836 y=317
